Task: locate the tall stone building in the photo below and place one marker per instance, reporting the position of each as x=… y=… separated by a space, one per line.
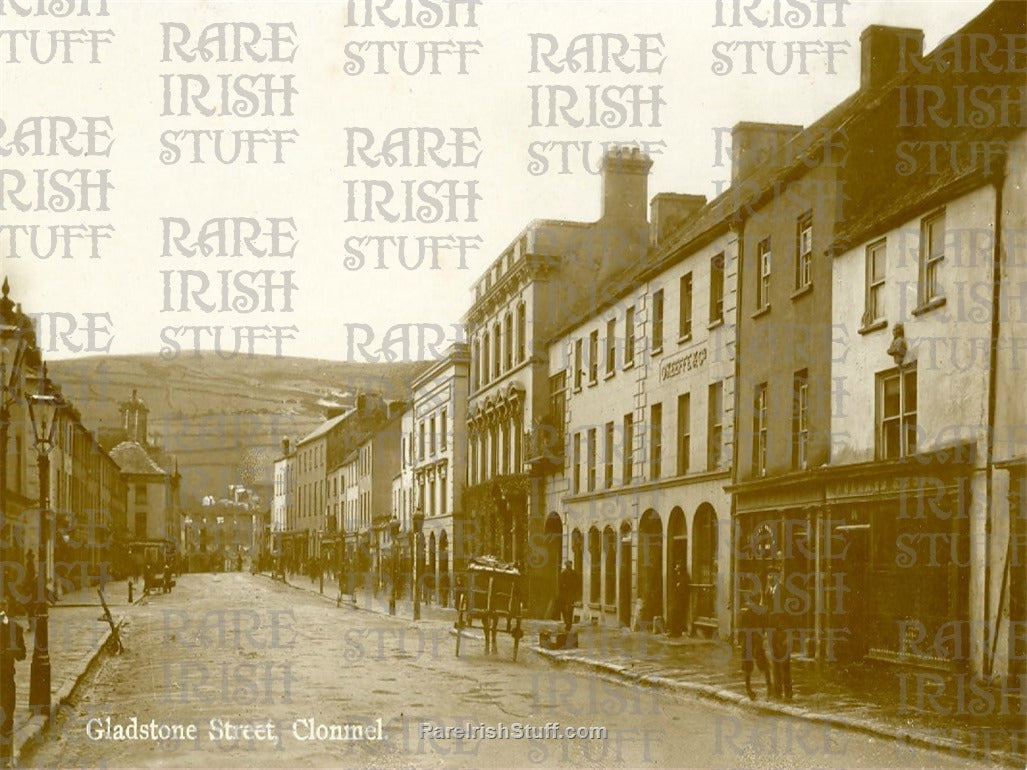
x=153 y=483
x=548 y=274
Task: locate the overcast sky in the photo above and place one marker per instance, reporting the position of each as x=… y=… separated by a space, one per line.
x=493 y=102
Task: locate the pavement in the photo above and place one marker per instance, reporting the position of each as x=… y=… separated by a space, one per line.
x=917 y=707
x=78 y=633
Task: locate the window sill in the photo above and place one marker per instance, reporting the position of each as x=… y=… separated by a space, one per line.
x=929 y=306
x=576 y=389
x=716 y=323
x=592 y=382
x=802 y=291
x=685 y=338
x=874 y=327
x=609 y=374
x=629 y=365
x=762 y=311
x=656 y=351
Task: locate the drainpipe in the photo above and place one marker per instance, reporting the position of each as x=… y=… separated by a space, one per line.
x=996 y=309
x=732 y=578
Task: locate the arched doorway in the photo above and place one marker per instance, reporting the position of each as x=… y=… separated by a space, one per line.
x=624 y=563
x=650 y=565
x=444 y=569
x=430 y=579
x=552 y=544
x=677 y=572
x=610 y=567
x=578 y=559
x=704 y=568
x=595 y=556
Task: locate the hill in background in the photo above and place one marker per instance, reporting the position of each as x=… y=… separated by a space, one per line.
x=224 y=420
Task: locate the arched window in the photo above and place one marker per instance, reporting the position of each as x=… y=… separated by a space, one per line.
x=485 y=371
x=521 y=332
x=508 y=352
x=475 y=363
x=497 y=350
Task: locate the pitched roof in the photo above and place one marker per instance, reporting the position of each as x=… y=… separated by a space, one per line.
x=867 y=123
x=132 y=458
x=324 y=427
x=909 y=156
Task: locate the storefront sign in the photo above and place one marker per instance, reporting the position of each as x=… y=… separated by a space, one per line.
x=686 y=363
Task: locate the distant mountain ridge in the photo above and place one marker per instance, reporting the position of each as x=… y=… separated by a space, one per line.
x=224 y=420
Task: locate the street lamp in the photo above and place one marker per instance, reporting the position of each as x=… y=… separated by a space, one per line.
x=418 y=520
x=43 y=410
x=342 y=567
x=394 y=533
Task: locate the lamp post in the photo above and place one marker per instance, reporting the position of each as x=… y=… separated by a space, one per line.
x=342 y=558
x=43 y=410
x=394 y=533
x=418 y=520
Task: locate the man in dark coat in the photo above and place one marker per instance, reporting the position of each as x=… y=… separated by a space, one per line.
x=751 y=640
x=12 y=648
x=680 y=585
x=567 y=593
x=778 y=637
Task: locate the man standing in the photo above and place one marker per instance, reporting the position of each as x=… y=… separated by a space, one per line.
x=567 y=593
x=778 y=637
x=679 y=600
x=751 y=639
x=12 y=648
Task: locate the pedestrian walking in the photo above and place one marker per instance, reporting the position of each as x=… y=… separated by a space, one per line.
x=778 y=642
x=12 y=649
x=751 y=638
x=567 y=593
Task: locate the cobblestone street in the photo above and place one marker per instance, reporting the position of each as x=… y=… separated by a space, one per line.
x=248 y=651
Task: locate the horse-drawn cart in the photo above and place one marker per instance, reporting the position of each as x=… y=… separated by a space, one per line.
x=493 y=594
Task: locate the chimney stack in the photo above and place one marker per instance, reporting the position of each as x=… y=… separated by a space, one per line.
x=669 y=211
x=626 y=184
x=759 y=145
x=285 y=447
x=886 y=52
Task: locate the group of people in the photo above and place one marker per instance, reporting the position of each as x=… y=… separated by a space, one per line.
x=154 y=578
x=763 y=634
x=763 y=628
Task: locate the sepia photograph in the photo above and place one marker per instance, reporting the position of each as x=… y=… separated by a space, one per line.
x=513 y=384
